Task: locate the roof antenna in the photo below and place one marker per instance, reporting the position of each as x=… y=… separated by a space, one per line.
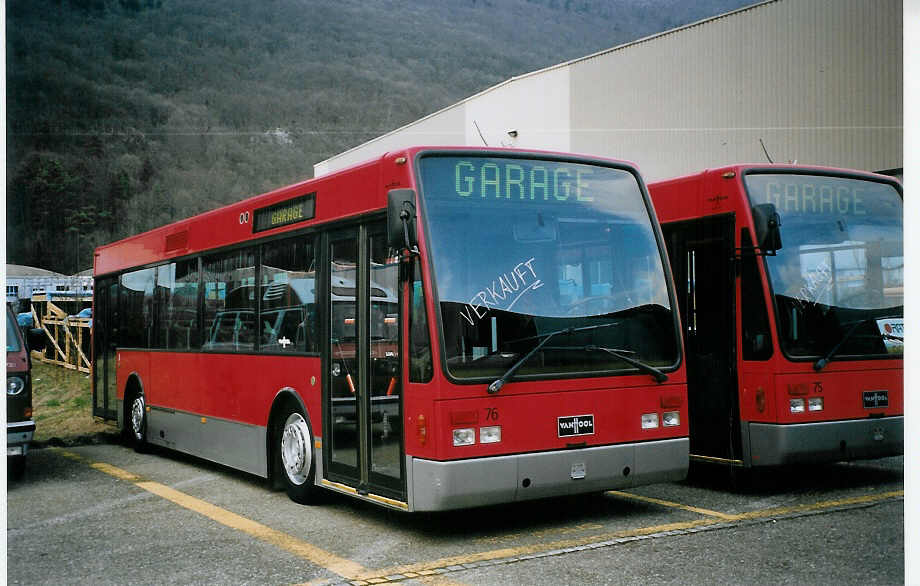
x=480 y=133
x=764 y=147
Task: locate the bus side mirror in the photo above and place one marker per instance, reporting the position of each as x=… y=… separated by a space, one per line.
x=401 y=218
x=766 y=227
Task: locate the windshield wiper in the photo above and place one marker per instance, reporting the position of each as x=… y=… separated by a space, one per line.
x=544 y=338
x=659 y=376
x=824 y=360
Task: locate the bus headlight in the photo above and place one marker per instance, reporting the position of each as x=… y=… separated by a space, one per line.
x=797 y=405
x=670 y=419
x=649 y=420
x=816 y=403
x=14 y=385
x=490 y=435
x=464 y=437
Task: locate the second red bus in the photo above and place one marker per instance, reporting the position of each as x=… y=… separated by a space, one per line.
x=790 y=286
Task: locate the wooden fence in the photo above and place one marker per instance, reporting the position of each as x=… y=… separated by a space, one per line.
x=68 y=335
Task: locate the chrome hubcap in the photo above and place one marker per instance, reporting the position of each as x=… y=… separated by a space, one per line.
x=137 y=417
x=296 y=453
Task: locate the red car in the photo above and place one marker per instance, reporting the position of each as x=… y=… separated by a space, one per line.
x=19 y=424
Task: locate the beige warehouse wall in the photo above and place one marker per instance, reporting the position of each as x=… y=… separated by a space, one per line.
x=442 y=128
x=535 y=107
x=820 y=81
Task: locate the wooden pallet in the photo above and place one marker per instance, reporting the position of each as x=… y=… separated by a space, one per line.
x=69 y=337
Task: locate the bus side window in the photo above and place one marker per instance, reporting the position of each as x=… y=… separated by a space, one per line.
x=182 y=313
x=420 y=367
x=288 y=293
x=230 y=300
x=137 y=307
x=245 y=330
x=755 y=329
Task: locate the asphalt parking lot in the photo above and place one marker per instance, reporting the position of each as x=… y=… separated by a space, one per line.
x=105 y=514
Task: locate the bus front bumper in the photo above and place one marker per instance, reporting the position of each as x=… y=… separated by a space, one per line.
x=828 y=441
x=438 y=486
x=18 y=437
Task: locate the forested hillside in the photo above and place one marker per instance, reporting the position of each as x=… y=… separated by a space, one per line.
x=127 y=114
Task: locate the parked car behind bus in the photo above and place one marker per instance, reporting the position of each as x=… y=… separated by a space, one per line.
x=19 y=424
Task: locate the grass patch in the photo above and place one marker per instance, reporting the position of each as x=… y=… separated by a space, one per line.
x=62 y=401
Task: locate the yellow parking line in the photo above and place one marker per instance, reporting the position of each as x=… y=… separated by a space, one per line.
x=721 y=519
x=774 y=512
x=648 y=499
x=320 y=557
x=338 y=565
x=428 y=568
x=429 y=571
x=116 y=472
x=856 y=500
x=335 y=564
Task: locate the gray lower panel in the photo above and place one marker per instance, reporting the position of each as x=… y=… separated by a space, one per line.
x=438 y=486
x=831 y=441
x=238 y=445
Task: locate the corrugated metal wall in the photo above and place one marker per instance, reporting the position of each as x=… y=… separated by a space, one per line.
x=534 y=108
x=818 y=81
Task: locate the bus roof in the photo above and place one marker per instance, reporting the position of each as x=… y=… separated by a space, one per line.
x=740 y=168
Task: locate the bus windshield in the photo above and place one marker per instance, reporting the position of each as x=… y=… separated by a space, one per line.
x=838 y=279
x=524 y=248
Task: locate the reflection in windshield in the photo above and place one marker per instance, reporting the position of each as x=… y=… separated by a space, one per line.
x=521 y=248
x=839 y=277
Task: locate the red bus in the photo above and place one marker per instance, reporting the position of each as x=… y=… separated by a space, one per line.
x=790 y=287
x=435 y=329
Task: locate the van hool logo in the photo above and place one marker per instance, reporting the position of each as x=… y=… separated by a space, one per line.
x=576 y=425
x=875 y=399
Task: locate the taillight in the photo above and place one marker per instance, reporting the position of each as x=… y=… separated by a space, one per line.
x=671 y=401
x=798 y=389
x=470 y=417
x=421 y=430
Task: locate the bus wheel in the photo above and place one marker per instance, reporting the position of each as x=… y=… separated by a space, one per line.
x=137 y=422
x=295 y=457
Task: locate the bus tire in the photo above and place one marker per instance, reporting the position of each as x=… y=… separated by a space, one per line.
x=137 y=422
x=294 y=456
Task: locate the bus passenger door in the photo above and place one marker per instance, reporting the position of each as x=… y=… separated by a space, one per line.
x=702 y=261
x=105 y=332
x=363 y=445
